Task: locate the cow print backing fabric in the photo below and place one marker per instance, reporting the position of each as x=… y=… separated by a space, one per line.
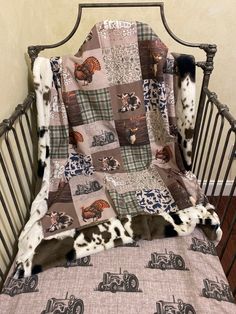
x=116 y=123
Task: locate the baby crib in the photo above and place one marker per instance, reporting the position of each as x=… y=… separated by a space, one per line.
x=215 y=134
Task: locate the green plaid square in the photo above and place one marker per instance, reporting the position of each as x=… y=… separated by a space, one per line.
x=136 y=158
x=145 y=32
x=59 y=140
x=126 y=203
x=95 y=105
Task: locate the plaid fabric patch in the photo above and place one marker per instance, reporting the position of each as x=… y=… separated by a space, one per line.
x=95 y=105
x=126 y=203
x=145 y=32
x=59 y=140
x=136 y=158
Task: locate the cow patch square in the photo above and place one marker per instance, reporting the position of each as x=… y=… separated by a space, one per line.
x=109 y=161
x=60 y=216
x=127 y=100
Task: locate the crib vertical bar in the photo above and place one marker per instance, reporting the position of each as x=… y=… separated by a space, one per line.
x=21 y=156
x=9 y=220
x=32 y=136
x=221 y=162
x=200 y=135
x=200 y=110
x=207 y=67
x=2 y=277
x=5 y=245
x=205 y=138
x=210 y=147
x=16 y=171
x=28 y=123
x=26 y=143
x=214 y=153
x=19 y=212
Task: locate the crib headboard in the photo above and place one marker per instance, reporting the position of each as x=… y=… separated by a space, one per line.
x=206 y=66
x=215 y=133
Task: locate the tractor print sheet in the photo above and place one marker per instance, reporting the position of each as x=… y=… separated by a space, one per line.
x=116 y=123
x=178 y=276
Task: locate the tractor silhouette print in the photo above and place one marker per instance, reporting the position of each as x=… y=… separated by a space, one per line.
x=217 y=290
x=205 y=247
x=70 y=305
x=23 y=285
x=87 y=188
x=166 y=260
x=84 y=261
x=179 y=307
x=106 y=137
x=114 y=282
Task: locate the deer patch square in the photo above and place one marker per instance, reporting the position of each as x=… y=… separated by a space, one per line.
x=132 y=131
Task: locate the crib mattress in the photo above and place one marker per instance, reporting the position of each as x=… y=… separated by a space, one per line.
x=175 y=275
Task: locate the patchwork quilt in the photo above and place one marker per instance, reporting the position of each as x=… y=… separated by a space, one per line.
x=116 y=123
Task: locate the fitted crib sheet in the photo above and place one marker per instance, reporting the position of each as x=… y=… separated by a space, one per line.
x=174 y=275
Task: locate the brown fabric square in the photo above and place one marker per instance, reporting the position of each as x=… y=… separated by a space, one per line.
x=132 y=131
x=63 y=194
x=72 y=108
x=127 y=100
x=152 y=58
x=108 y=161
x=60 y=216
x=91 y=42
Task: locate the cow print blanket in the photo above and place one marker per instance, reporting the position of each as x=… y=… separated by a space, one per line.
x=116 y=123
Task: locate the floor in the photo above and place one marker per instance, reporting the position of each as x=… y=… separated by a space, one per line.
x=230 y=250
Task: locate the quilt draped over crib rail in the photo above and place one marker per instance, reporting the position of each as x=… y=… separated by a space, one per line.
x=116 y=124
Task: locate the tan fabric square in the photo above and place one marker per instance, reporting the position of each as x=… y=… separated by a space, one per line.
x=84 y=73
x=113 y=33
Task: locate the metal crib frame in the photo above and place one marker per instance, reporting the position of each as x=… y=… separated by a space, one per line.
x=205 y=128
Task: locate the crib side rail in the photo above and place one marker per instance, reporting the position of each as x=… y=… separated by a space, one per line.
x=214 y=164
x=18 y=159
